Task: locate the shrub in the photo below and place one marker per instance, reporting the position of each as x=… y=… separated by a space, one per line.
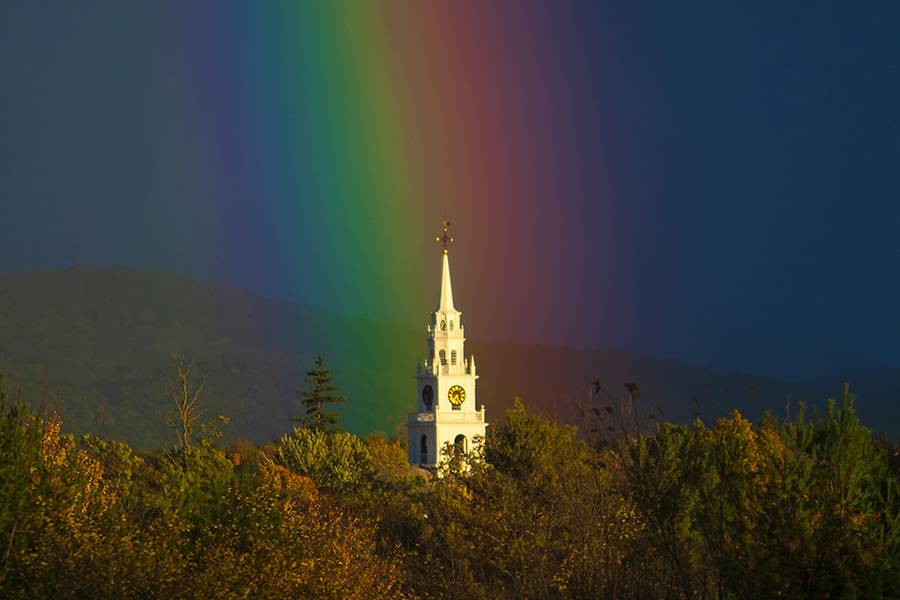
x=335 y=461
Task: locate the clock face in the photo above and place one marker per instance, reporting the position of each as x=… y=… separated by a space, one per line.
x=457 y=395
x=427 y=396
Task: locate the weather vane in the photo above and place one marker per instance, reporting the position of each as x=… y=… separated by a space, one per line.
x=445 y=239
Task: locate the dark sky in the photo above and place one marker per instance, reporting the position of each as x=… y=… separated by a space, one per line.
x=756 y=149
x=770 y=134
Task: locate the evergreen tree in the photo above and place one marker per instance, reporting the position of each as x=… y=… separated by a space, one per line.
x=320 y=391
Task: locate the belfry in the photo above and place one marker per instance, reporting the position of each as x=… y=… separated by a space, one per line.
x=447 y=415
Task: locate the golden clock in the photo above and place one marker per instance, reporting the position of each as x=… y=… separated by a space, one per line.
x=456 y=395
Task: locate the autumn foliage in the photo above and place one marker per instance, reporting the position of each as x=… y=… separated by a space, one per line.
x=799 y=508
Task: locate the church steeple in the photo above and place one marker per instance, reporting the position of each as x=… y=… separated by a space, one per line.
x=447 y=413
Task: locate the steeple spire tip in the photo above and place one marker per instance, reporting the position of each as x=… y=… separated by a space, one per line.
x=446 y=301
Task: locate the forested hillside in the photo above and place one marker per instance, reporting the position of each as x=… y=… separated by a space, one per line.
x=96 y=344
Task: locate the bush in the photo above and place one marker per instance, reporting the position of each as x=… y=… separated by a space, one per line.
x=335 y=461
x=538 y=518
x=796 y=509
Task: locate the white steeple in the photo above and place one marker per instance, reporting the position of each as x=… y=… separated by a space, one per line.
x=447 y=412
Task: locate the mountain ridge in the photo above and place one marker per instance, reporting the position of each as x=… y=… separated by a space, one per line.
x=96 y=343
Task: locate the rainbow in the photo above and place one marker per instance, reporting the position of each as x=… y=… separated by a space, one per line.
x=328 y=139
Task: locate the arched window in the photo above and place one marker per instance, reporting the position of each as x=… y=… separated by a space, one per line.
x=459 y=444
x=451 y=324
x=443 y=356
x=423 y=450
x=453 y=357
x=443 y=325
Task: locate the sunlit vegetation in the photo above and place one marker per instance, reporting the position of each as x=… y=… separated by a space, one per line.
x=799 y=508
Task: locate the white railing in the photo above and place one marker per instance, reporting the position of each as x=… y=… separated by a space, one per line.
x=429 y=368
x=455 y=416
x=421 y=417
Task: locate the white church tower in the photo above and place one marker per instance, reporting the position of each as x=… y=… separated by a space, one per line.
x=447 y=411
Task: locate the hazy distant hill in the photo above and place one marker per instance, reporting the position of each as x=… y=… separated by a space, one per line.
x=101 y=340
x=878 y=391
x=96 y=343
x=791 y=358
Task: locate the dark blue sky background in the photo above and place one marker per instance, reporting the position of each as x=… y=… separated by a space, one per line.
x=763 y=146
x=756 y=151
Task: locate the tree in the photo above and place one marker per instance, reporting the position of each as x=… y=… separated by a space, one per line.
x=321 y=392
x=335 y=461
x=534 y=517
x=801 y=508
x=185 y=392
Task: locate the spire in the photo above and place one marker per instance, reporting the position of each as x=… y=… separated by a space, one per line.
x=446 y=301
